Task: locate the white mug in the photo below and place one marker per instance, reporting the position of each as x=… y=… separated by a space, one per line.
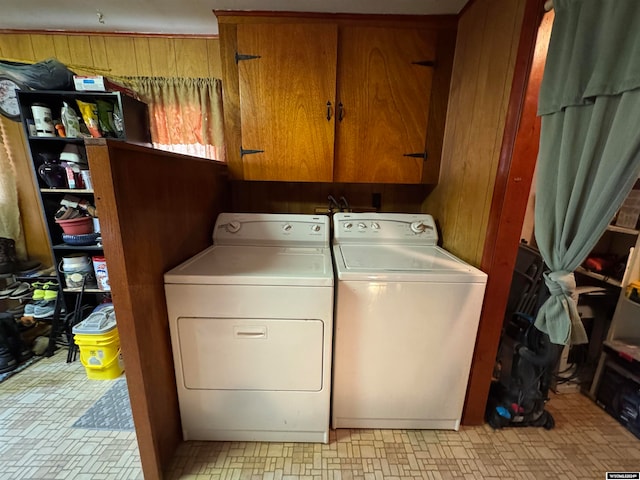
x=43 y=121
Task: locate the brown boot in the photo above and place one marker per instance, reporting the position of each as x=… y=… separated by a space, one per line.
x=7 y=255
x=13 y=339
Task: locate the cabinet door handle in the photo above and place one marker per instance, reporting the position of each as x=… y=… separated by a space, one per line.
x=328 y=111
x=340 y=112
x=422 y=155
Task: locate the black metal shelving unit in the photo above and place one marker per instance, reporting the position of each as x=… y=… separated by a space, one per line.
x=135 y=121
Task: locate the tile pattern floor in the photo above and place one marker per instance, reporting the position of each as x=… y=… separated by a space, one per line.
x=37 y=410
x=37 y=442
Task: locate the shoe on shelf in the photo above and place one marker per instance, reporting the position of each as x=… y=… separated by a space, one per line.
x=7 y=360
x=9 y=289
x=16 y=311
x=29 y=308
x=38 y=294
x=45 y=291
x=23 y=291
x=7 y=255
x=50 y=295
x=39 y=272
x=47 y=272
x=50 y=285
x=40 y=345
x=10 y=332
x=44 y=309
x=27 y=267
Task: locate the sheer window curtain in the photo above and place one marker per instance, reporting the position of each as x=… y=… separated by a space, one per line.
x=589 y=155
x=186 y=114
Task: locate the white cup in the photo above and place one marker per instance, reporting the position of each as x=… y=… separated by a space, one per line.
x=43 y=121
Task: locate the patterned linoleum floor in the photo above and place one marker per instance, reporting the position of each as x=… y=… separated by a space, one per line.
x=37 y=410
x=39 y=406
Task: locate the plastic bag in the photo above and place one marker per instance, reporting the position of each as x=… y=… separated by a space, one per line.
x=89 y=112
x=70 y=121
x=48 y=74
x=105 y=118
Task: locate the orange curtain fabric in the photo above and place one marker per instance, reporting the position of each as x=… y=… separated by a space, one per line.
x=185 y=114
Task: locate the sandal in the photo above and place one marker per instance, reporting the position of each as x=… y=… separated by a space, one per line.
x=9 y=289
x=23 y=291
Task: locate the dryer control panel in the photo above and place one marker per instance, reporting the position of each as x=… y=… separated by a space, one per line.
x=401 y=228
x=271 y=229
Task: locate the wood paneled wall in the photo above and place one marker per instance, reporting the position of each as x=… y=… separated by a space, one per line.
x=118 y=55
x=488 y=34
x=291 y=197
x=110 y=55
x=511 y=190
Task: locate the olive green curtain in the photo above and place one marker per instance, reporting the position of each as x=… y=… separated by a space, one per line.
x=185 y=113
x=589 y=155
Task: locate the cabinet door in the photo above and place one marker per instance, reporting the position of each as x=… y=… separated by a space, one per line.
x=283 y=101
x=385 y=98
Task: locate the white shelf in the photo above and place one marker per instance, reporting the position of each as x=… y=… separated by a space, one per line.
x=634 y=305
x=86 y=290
x=627 y=348
x=65 y=190
x=597 y=276
x=628 y=231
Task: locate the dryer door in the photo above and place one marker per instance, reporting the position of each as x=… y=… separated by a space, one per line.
x=251 y=354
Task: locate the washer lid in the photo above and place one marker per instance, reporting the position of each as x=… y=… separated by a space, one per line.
x=417 y=263
x=251 y=265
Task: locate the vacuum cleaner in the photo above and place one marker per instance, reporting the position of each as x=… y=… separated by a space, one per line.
x=526 y=358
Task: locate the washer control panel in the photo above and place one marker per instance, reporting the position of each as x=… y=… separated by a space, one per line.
x=271 y=229
x=385 y=228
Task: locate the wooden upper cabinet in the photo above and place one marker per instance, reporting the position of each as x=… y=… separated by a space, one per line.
x=285 y=94
x=384 y=88
x=335 y=98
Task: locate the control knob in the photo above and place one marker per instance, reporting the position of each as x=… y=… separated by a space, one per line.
x=315 y=228
x=287 y=227
x=348 y=225
x=418 y=227
x=233 y=226
x=362 y=225
x=375 y=225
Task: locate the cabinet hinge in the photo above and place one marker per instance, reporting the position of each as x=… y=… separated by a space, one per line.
x=240 y=56
x=244 y=152
x=422 y=155
x=425 y=63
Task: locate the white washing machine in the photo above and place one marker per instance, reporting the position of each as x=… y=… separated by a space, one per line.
x=251 y=322
x=406 y=321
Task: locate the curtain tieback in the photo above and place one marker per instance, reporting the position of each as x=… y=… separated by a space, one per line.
x=562 y=284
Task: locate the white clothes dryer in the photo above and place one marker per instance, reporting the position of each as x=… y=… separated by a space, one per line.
x=406 y=321
x=251 y=321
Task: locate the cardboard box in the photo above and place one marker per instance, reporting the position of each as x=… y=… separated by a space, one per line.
x=98 y=83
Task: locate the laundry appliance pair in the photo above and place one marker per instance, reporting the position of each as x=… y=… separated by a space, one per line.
x=276 y=332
